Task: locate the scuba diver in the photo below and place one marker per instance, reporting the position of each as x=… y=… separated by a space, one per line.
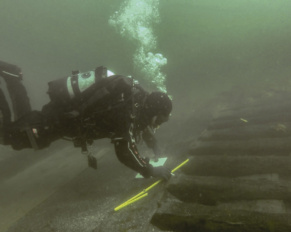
x=85 y=107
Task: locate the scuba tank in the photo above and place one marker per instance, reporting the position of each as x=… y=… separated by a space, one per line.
x=68 y=89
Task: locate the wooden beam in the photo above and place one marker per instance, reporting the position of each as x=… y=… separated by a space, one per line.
x=211 y=190
x=260 y=146
x=177 y=216
x=235 y=166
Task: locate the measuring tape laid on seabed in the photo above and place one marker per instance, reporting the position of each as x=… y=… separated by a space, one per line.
x=144 y=192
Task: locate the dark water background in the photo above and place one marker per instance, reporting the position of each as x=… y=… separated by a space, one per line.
x=210 y=45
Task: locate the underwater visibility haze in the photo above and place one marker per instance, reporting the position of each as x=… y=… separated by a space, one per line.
x=194 y=47
x=206 y=54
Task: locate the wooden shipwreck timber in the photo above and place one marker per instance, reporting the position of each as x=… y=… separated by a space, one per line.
x=238 y=176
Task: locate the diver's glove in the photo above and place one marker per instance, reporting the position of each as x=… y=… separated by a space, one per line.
x=161 y=172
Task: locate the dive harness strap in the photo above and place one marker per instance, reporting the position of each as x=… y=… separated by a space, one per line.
x=31 y=137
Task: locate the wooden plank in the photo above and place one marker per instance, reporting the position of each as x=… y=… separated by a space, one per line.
x=264 y=146
x=177 y=216
x=258 y=109
x=279 y=117
x=211 y=190
x=235 y=166
x=249 y=131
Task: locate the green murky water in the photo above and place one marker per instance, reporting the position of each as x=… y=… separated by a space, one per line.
x=193 y=49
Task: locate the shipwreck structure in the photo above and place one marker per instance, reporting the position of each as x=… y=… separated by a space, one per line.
x=238 y=177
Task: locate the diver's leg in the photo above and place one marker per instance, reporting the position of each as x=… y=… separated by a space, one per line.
x=5 y=115
x=33 y=130
x=19 y=98
x=4 y=109
x=1 y=128
x=13 y=77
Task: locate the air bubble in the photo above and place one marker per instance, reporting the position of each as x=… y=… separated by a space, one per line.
x=135 y=21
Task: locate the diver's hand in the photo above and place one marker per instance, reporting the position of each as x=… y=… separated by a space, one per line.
x=156 y=159
x=161 y=172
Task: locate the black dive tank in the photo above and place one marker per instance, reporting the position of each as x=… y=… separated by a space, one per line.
x=67 y=89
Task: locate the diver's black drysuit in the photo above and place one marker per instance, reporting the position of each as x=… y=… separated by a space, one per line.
x=85 y=107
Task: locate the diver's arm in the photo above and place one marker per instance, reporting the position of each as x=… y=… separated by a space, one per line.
x=128 y=154
x=149 y=137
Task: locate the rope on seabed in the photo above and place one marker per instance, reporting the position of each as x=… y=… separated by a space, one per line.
x=144 y=192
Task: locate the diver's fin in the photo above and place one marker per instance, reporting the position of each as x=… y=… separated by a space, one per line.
x=9 y=70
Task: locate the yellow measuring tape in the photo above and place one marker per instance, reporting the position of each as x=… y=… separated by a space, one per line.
x=144 y=192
